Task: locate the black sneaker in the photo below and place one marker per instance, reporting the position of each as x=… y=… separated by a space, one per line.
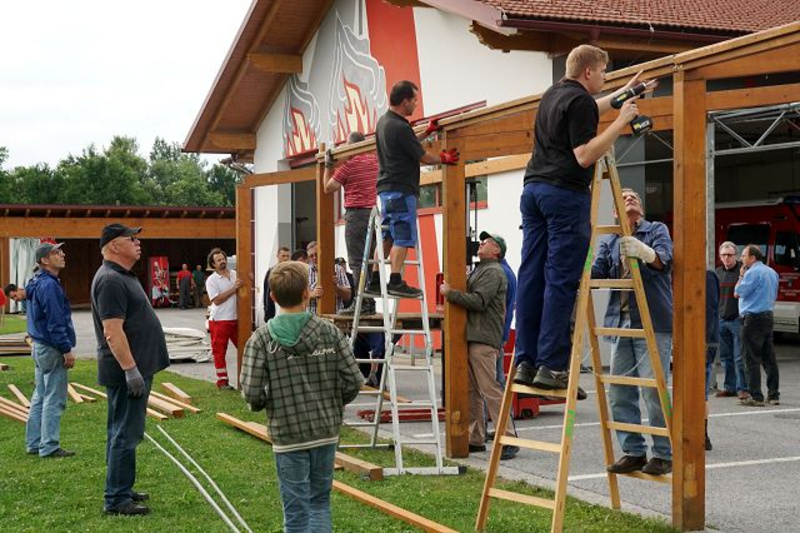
x=61 y=452
x=374 y=287
x=627 y=464
x=550 y=379
x=581 y=394
x=490 y=435
x=128 y=508
x=350 y=310
x=474 y=448
x=773 y=401
x=709 y=446
x=368 y=307
x=403 y=290
x=32 y=452
x=657 y=467
x=139 y=496
x=509 y=452
x=525 y=374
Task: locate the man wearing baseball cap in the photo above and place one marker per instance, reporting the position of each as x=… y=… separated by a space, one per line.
x=130 y=350
x=50 y=326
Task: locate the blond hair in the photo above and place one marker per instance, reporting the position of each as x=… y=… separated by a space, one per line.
x=584 y=56
x=287 y=282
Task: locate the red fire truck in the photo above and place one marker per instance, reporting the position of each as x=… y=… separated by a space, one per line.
x=773 y=225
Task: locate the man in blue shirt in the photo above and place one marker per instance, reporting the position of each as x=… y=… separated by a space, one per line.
x=652 y=246
x=50 y=326
x=757 y=291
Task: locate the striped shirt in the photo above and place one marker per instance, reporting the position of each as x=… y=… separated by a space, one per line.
x=358 y=176
x=341 y=281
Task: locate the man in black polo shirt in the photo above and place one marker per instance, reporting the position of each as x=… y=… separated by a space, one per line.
x=400 y=154
x=130 y=350
x=555 y=209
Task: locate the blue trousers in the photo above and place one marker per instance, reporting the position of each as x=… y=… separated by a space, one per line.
x=556 y=230
x=730 y=354
x=43 y=430
x=126 y=420
x=305 y=478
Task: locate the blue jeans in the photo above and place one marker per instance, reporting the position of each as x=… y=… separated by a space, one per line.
x=555 y=239
x=43 y=430
x=730 y=354
x=305 y=478
x=624 y=399
x=126 y=419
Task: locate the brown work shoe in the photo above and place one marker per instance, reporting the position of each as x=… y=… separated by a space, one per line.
x=725 y=394
x=627 y=464
x=657 y=467
x=743 y=395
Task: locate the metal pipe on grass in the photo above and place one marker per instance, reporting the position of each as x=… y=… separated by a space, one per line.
x=196 y=483
x=216 y=488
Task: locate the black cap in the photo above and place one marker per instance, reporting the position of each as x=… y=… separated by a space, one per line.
x=501 y=242
x=112 y=231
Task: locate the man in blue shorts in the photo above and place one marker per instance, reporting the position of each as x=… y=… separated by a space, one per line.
x=400 y=154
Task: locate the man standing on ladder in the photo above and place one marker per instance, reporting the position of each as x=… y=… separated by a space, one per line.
x=652 y=246
x=400 y=153
x=485 y=302
x=555 y=212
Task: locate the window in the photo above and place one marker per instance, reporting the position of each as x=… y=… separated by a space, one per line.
x=430 y=196
x=787 y=249
x=744 y=234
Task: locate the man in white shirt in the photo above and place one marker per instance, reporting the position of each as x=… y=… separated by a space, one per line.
x=221 y=287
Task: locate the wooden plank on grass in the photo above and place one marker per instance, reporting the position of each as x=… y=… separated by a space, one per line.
x=168 y=408
x=11 y=414
x=89 y=390
x=360 y=467
x=85 y=398
x=4 y=366
x=174 y=392
x=8 y=404
x=175 y=402
x=18 y=393
x=392 y=510
x=253 y=428
x=155 y=414
x=73 y=394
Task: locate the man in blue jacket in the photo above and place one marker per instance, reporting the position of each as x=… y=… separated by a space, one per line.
x=50 y=326
x=652 y=247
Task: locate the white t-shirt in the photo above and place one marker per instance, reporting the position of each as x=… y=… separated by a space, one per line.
x=216 y=285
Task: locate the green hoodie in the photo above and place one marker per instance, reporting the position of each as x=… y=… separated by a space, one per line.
x=285 y=328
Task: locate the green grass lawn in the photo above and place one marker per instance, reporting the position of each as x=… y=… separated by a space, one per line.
x=66 y=494
x=13 y=324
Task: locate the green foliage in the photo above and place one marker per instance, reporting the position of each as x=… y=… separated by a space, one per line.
x=118 y=175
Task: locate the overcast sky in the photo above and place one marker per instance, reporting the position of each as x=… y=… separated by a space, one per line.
x=79 y=72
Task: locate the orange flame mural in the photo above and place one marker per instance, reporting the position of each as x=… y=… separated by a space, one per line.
x=357 y=113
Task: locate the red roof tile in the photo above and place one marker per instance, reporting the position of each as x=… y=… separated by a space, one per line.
x=714 y=15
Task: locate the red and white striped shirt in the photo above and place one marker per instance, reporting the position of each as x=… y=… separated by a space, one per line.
x=358 y=176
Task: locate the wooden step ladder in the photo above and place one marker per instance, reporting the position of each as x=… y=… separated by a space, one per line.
x=585 y=318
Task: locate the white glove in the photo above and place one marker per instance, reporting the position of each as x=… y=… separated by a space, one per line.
x=632 y=247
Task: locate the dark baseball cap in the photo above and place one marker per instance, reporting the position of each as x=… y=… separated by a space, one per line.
x=45 y=249
x=501 y=242
x=112 y=231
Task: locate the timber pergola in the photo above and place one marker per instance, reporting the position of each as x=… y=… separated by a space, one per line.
x=506 y=130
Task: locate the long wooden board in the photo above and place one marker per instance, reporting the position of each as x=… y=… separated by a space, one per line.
x=176 y=393
x=18 y=393
x=85 y=398
x=89 y=390
x=173 y=401
x=165 y=407
x=8 y=404
x=253 y=428
x=11 y=414
x=392 y=510
x=73 y=394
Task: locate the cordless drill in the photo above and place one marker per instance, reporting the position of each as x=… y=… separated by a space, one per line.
x=641 y=123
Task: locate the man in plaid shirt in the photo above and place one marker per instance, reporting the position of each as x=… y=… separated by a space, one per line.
x=342 y=284
x=301 y=369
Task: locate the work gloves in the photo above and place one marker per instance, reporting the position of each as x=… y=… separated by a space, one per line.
x=433 y=127
x=329 y=158
x=449 y=157
x=135 y=382
x=632 y=247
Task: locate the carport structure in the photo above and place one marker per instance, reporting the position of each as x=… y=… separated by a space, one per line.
x=505 y=132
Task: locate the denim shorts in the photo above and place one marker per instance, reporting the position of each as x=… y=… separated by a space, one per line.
x=400 y=214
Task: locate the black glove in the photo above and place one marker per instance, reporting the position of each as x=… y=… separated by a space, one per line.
x=135 y=382
x=329 y=162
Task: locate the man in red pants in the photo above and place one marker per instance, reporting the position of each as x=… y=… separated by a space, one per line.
x=221 y=287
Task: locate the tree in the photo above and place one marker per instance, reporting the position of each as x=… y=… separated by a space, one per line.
x=5 y=178
x=224 y=180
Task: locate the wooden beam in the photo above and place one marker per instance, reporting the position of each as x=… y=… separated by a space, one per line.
x=89 y=390
x=85 y=398
x=89 y=228
x=359 y=466
x=175 y=402
x=255 y=429
x=165 y=407
x=774 y=60
x=280 y=178
x=21 y=397
x=13 y=406
x=276 y=63
x=688 y=487
x=227 y=141
x=10 y=414
x=73 y=394
x=392 y=510
x=326 y=239
x=244 y=251
x=175 y=392
x=155 y=414
x=455 y=317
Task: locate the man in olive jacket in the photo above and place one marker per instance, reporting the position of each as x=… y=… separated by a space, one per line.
x=485 y=302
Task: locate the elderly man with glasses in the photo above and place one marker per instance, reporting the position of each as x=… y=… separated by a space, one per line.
x=730 y=326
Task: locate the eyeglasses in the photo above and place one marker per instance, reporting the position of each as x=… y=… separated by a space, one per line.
x=486 y=241
x=727 y=255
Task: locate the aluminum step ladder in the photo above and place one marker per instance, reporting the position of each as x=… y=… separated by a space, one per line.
x=393 y=372
x=605 y=169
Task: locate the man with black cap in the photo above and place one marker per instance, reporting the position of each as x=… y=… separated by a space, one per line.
x=485 y=302
x=50 y=326
x=130 y=350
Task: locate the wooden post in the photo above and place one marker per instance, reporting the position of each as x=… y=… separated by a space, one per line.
x=688 y=486
x=455 y=318
x=244 y=253
x=326 y=243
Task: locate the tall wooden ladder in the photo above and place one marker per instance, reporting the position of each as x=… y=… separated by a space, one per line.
x=605 y=169
x=391 y=369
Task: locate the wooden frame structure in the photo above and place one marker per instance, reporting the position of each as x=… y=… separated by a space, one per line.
x=506 y=130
